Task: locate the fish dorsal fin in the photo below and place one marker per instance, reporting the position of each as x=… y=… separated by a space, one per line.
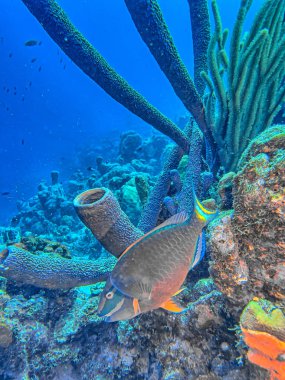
x=200 y=250
x=179 y=218
x=172 y=306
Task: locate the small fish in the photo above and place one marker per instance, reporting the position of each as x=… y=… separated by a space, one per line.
x=32 y=43
x=90 y=169
x=33 y=60
x=10 y=55
x=40 y=68
x=5 y=193
x=152 y=270
x=22 y=141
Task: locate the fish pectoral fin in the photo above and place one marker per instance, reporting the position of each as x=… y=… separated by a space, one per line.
x=172 y=306
x=199 y=250
x=136 y=305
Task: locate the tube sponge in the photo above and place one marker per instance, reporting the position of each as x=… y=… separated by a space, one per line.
x=100 y=211
x=57 y=24
x=52 y=271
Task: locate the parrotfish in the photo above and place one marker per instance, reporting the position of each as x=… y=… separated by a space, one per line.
x=152 y=270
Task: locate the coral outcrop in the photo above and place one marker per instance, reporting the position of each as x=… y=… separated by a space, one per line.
x=58 y=335
x=247 y=245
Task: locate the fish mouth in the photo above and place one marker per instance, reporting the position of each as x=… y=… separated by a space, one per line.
x=108 y=319
x=105 y=317
x=100 y=314
x=109 y=314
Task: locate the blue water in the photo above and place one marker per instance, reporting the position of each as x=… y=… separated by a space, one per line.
x=53 y=109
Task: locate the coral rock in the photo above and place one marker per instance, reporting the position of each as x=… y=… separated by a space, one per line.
x=6 y=334
x=247 y=248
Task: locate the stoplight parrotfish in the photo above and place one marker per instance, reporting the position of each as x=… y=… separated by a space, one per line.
x=152 y=270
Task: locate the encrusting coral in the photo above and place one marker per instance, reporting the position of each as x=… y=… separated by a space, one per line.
x=263 y=329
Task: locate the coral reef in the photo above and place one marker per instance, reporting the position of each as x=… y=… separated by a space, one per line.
x=247 y=245
x=225 y=189
x=130 y=142
x=56 y=334
x=50 y=213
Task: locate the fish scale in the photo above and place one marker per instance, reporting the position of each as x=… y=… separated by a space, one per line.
x=155 y=258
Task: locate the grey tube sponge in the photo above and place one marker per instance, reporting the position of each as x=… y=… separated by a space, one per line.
x=57 y=24
x=52 y=271
x=100 y=211
x=159 y=191
x=148 y=19
x=200 y=26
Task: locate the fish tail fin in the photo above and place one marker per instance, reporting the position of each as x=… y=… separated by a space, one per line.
x=202 y=213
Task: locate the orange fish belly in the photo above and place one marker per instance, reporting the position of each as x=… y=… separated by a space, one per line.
x=165 y=289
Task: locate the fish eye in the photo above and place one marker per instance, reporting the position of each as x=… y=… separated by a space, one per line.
x=109 y=295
